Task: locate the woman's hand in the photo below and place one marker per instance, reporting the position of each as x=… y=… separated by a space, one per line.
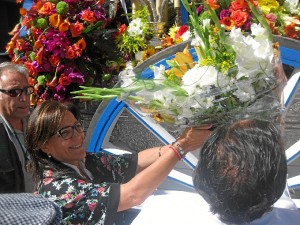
x=193 y=137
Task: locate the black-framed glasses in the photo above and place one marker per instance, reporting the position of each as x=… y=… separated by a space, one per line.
x=68 y=132
x=17 y=92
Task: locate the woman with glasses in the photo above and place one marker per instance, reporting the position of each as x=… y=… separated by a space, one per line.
x=92 y=188
x=14 y=109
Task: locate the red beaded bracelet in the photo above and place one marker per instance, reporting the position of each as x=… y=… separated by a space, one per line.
x=176 y=152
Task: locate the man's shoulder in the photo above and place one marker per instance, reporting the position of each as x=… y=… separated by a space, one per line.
x=279 y=216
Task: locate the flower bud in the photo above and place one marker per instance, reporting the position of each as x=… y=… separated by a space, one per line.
x=62 y=8
x=41 y=23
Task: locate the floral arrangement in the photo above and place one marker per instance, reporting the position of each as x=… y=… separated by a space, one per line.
x=282 y=16
x=132 y=39
x=223 y=77
x=55 y=48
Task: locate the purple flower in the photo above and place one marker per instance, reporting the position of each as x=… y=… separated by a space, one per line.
x=76 y=78
x=199 y=9
x=224 y=13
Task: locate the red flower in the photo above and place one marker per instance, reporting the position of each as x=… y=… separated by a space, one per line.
x=181 y=31
x=239 y=17
x=54 y=60
x=291 y=32
x=88 y=16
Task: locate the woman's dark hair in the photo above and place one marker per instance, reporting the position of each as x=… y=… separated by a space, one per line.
x=242 y=170
x=43 y=123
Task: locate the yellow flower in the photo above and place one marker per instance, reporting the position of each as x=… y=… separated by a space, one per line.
x=173 y=31
x=184 y=62
x=148 y=52
x=268 y=5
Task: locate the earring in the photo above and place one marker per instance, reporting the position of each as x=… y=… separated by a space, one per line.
x=49 y=155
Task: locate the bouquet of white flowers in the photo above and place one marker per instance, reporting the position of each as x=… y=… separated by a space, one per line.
x=223 y=77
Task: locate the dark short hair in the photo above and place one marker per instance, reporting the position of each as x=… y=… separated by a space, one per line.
x=43 y=123
x=242 y=170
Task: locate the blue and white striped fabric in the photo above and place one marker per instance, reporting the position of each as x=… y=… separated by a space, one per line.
x=27 y=208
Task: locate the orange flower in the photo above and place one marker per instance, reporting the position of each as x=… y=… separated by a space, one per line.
x=52 y=83
x=88 y=16
x=26 y=22
x=184 y=62
x=37 y=6
x=167 y=41
x=47 y=8
x=238 y=5
x=81 y=44
x=64 y=80
x=39 y=56
x=31 y=69
x=64 y=26
x=70 y=53
x=22 y=11
x=239 y=17
x=9 y=48
x=31 y=81
x=54 y=60
x=20 y=44
x=55 y=20
x=38 y=44
x=213 y=4
x=76 y=29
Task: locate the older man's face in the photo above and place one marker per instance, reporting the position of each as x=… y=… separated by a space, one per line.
x=14 y=108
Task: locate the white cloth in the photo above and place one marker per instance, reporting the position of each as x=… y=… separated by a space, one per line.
x=178 y=208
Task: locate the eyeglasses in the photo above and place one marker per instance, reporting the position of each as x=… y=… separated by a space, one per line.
x=18 y=91
x=68 y=132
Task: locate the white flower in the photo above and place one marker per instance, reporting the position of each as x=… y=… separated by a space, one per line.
x=127 y=75
x=257 y=30
x=206 y=23
x=135 y=27
x=199 y=77
x=197 y=41
x=186 y=35
x=245 y=92
x=288 y=20
x=159 y=72
x=253 y=54
x=139 y=55
x=293 y=6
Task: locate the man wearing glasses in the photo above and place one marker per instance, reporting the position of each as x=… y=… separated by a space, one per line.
x=14 y=108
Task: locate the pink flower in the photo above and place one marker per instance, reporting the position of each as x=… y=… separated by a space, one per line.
x=92 y=206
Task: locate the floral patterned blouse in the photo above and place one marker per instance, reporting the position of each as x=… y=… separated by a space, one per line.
x=89 y=201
